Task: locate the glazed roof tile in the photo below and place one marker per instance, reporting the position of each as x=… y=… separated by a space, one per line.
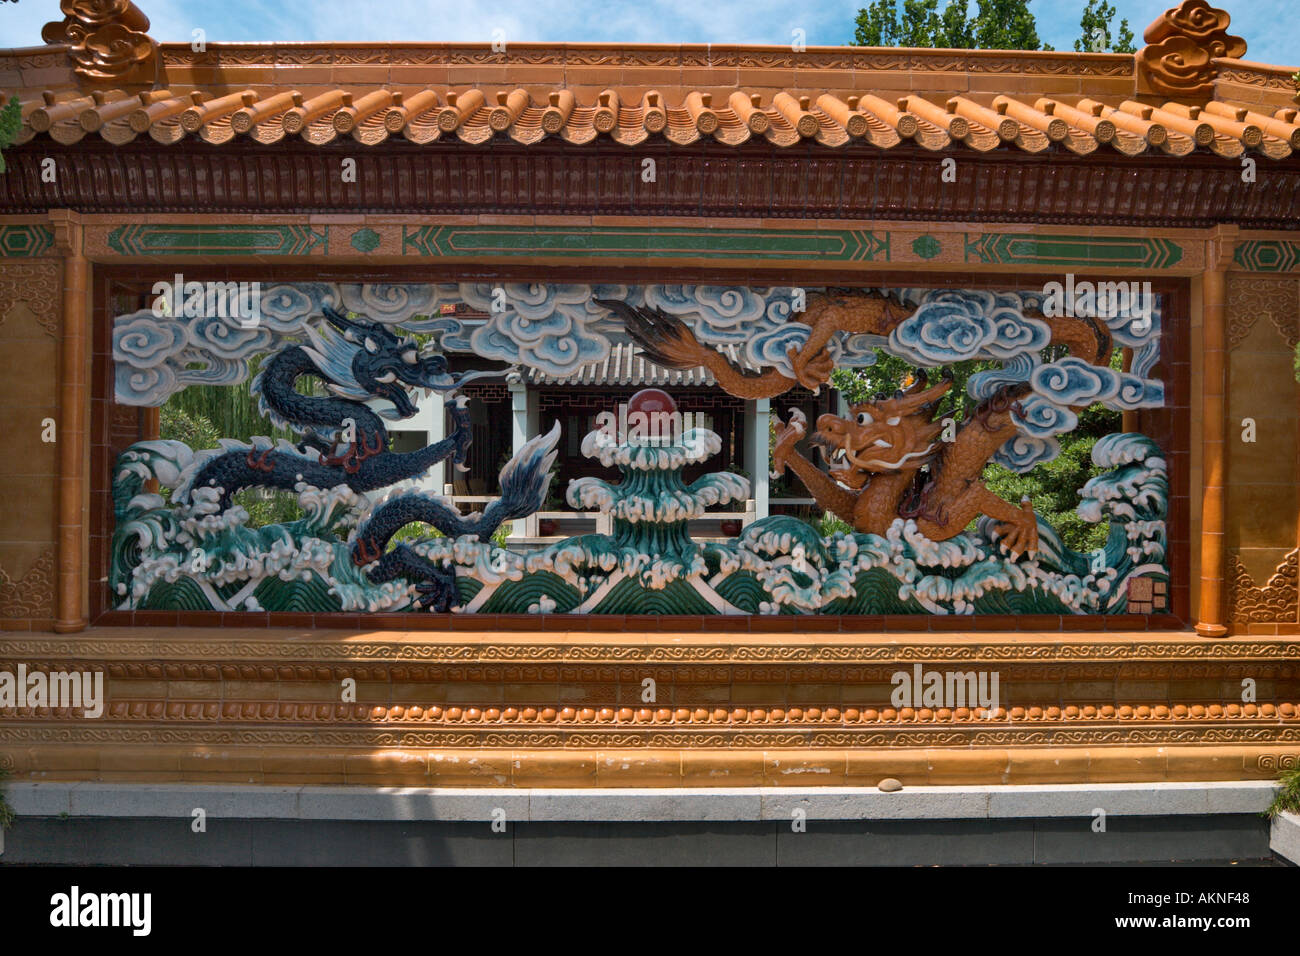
x=834 y=97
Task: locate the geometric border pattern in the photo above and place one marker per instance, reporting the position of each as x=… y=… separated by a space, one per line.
x=705 y=242
x=1267 y=255
x=25 y=241
x=796 y=243
x=1130 y=252
x=210 y=240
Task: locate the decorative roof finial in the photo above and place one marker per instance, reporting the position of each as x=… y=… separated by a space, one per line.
x=1181 y=44
x=108 y=43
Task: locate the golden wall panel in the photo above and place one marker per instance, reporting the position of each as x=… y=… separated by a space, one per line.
x=1263 y=475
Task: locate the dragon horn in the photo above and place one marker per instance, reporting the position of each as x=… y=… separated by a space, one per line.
x=339 y=320
x=918 y=383
x=918 y=400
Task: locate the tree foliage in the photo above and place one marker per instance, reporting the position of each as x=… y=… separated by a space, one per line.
x=1095 y=26
x=995 y=25
x=11 y=121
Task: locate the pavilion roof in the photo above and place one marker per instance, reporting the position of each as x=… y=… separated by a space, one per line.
x=627 y=365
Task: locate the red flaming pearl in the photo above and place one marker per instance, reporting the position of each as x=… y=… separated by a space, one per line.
x=650 y=401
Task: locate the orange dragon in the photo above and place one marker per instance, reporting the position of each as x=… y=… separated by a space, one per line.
x=887 y=459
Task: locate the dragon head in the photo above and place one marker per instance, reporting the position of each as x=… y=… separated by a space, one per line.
x=884 y=435
x=369 y=360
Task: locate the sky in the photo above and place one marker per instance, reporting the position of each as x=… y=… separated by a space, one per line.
x=1265 y=24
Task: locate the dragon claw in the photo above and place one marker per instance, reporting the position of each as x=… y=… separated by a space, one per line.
x=438 y=594
x=812 y=371
x=788 y=435
x=1019 y=536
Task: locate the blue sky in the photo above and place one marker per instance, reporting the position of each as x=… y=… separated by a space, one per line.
x=1266 y=24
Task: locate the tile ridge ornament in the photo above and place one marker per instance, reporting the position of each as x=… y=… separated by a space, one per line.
x=1182 y=44
x=108 y=43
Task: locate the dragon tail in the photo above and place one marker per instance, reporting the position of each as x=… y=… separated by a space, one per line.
x=524 y=480
x=665 y=339
x=668 y=341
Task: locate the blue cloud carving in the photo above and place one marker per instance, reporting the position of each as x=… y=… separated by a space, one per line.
x=555 y=343
x=1145 y=359
x=389 y=302
x=143 y=386
x=143 y=340
x=951 y=326
x=1042 y=419
x=285 y=306
x=225 y=338
x=1135 y=330
x=768 y=349
x=1023 y=452
x=1072 y=381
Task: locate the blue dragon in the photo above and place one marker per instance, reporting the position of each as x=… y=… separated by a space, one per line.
x=344 y=442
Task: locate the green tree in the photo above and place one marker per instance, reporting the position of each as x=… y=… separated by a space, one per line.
x=879 y=24
x=1006 y=25
x=176 y=424
x=11 y=121
x=996 y=25
x=1095 y=26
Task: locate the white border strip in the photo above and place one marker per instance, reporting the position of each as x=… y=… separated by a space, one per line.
x=635 y=804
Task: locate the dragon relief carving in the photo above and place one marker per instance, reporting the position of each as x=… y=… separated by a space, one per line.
x=886 y=460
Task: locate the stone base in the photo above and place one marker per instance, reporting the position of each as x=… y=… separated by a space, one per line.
x=331 y=826
x=470 y=709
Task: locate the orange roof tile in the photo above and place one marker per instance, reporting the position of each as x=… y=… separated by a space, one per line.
x=475 y=116
x=579 y=93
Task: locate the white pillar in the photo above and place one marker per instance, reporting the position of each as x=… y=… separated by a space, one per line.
x=757 y=416
x=518 y=413
x=521 y=425
x=437 y=424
